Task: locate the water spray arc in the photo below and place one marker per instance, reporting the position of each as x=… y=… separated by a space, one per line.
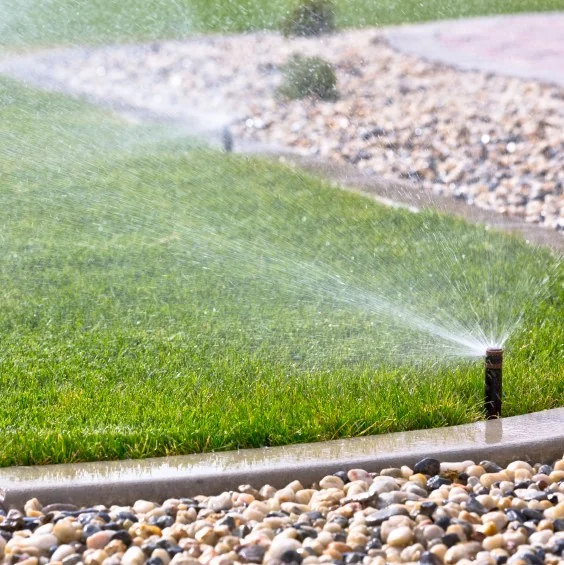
x=493 y=384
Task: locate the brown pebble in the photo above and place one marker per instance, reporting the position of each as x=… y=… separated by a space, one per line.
x=99 y=540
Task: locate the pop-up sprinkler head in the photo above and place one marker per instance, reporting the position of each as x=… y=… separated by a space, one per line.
x=494 y=364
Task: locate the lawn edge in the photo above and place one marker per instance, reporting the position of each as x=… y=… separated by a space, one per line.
x=537 y=437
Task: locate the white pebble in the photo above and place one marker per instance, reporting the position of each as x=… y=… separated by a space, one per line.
x=400 y=537
x=143 y=506
x=133 y=556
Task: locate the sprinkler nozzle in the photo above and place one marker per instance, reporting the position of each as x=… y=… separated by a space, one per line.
x=494 y=365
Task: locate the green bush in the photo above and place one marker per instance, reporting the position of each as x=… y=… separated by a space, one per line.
x=309 y=76
x=309 y=17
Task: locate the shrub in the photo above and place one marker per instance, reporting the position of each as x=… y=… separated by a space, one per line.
x=310 y=17
x=309 y=76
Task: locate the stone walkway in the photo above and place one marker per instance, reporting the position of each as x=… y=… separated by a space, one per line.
x=529 y=46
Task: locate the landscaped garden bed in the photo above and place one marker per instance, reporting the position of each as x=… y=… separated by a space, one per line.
x=433 y=512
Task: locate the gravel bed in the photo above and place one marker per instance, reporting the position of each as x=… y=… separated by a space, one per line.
x=493 y=141
x=431 y=513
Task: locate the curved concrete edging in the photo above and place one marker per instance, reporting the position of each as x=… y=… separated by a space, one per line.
x=536 y=437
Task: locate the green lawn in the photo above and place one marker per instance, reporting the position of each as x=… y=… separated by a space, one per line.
x=31 y=22
x=157 y=297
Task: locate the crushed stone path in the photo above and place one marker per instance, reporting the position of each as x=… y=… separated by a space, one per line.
x=528 y=46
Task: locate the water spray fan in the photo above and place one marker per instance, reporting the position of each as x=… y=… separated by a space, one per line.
x=493 y=384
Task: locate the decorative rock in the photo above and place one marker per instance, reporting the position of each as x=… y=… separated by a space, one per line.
x=459 y=552
x=180 y=559
x=493 y=542
x=475 y=506
x=400 y=537
x=530 y=494
x=251 y=553
x=280 y=545
x=412 y=553
x=475 y=471
x=383 y=484
x=455 y=467
x=221 y=502
x=31 y=506
x=515 y=465
x=488 y=479
x=559 y=465
x=96 y=557
x=556 y=512
x=331 y=481
x=72 y=560
x=285 y=495
x=490 y=467
x=29 y=561
x=59 y=508
x=143 y=506
x=61 y=552
x=295 y=486
x=432 y=532
x=206 y=535
x=435 y=482
x=428 y=558
x=359 y=475
x=392 y=472
x=99 y=540
x=66 y=531
x=428 y=466
x=376 y=518
x=133 y=556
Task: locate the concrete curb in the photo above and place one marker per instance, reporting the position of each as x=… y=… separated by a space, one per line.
x=536 y=437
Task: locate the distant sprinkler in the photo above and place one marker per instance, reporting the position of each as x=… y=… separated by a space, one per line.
x=227 y=139
x=494 y=365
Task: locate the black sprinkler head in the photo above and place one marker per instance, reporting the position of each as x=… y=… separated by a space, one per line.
x=493 y=386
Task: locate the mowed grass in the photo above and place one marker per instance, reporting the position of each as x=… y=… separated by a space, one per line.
x=29 y=22
x=160 y=298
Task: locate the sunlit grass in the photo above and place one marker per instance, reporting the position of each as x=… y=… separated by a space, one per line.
x=32 y=22
x=160 y=298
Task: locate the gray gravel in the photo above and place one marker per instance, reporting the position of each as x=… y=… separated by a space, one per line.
x=459 y=512
x=495 y=142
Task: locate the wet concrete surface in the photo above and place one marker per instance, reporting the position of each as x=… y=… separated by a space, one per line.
x=529 y=46
x=536 y=437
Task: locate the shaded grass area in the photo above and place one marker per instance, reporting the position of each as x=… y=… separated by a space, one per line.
x=160 y=298
x=29 y=22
